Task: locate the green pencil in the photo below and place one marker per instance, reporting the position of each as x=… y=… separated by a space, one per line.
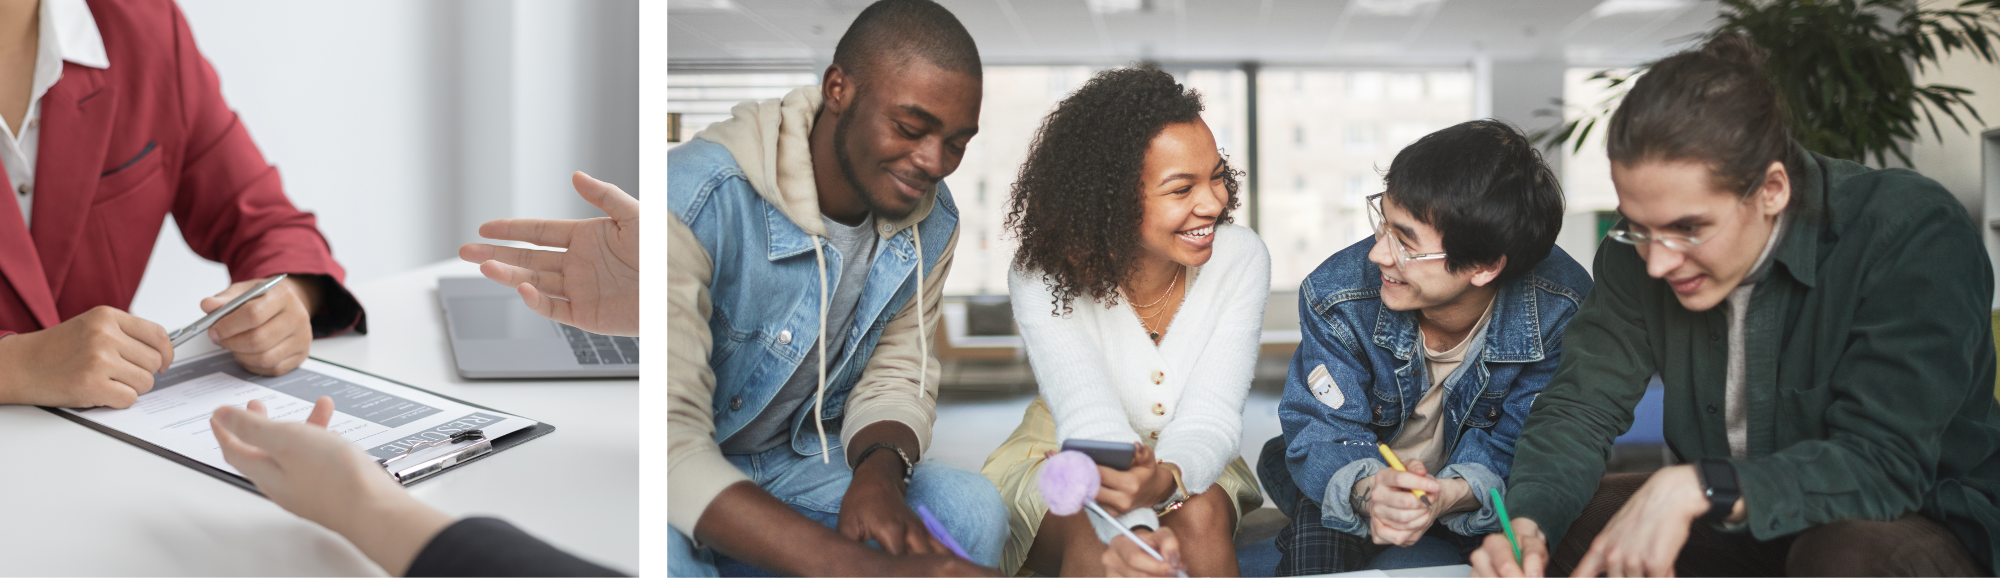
x=1506 y=524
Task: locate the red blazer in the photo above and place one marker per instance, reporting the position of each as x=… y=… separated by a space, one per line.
x=123 y=146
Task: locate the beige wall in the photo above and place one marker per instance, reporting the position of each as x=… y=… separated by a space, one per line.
x=1954 y=161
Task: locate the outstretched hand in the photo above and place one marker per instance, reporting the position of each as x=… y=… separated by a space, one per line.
x=594 y=285
x=320 y=476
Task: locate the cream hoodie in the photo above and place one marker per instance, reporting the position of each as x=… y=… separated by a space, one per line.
x=770 y=142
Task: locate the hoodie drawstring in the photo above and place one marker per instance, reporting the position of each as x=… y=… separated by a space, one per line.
x=923 y=342
x=819 y=396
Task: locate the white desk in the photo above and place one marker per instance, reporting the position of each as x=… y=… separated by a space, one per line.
x=75 y=502
x=1456 y=571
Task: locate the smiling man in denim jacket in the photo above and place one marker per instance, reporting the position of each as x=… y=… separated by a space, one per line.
x=809 y=243
x=1463 y=266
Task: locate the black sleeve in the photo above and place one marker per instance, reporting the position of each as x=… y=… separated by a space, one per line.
x=487 y=547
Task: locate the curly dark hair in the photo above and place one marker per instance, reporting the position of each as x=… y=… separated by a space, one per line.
x=1076 y=206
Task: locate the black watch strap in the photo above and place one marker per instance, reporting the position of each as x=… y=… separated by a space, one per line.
x=1719 y=484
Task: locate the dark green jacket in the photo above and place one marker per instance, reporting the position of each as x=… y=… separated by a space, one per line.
x=1869 y=369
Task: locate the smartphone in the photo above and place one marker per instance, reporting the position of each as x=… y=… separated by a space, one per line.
x=1110 y=454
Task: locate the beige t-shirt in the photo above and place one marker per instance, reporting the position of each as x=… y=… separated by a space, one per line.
x=1422 y=438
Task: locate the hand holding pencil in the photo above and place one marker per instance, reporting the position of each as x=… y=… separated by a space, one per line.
x=1495 y=557
x=1400 y=501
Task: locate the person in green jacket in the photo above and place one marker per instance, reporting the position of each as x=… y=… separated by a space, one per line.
x=1821 y=329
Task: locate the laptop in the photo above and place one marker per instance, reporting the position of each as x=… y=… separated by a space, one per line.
x=495 y=336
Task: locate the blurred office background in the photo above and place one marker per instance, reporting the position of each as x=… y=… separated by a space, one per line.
x=1312 y=97
x=405 y=124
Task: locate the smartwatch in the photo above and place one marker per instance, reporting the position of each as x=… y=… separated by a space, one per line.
x=1718 y=484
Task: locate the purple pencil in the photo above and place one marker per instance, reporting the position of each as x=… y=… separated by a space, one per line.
x=937 y=531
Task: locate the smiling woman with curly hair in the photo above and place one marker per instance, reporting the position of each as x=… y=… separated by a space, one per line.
x=1074 y=208
x=1141 y=306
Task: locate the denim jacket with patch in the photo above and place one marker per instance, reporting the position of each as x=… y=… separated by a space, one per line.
x=1359 y=373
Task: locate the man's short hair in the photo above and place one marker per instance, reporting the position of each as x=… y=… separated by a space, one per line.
x=895 y=32
x=1485 y=189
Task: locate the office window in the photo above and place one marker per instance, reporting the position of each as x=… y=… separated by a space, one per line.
x=1015 y=101
x=1586 y=173
x=1406 y=86
x=1369 y=116
x=705 y=97
x=1361 y=137
x=1364 y=85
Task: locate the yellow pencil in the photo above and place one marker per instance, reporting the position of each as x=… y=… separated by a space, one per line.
x=1398 y=465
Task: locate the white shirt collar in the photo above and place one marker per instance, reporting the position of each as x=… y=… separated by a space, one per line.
x=75 y=32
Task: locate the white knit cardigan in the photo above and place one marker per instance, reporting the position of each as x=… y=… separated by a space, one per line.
x=1104 y=379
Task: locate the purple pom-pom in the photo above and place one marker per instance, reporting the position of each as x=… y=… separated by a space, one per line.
x=1068 y=480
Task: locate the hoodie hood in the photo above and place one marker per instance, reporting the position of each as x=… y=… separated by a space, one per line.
x=772 y=144
x=771 y=141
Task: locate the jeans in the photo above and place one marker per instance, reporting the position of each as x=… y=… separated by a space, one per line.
x=965 y=502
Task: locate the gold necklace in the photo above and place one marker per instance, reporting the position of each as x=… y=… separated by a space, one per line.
x=1163 y=293
x=1146 y=321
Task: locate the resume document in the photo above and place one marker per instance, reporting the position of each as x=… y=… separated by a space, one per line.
x=381 y=417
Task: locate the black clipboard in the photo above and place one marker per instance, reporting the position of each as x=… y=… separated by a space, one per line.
x=502 y=443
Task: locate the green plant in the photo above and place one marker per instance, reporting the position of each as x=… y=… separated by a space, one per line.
x=1847 y=70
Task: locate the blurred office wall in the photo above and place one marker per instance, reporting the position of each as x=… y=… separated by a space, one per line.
x=405 y=124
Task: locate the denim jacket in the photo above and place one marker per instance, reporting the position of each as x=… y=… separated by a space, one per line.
x=1374 y=375
x=766 y=291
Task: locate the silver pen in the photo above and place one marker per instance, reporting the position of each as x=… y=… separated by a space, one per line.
x=200 y=326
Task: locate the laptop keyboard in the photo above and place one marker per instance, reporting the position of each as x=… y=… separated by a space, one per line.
x=598 y=349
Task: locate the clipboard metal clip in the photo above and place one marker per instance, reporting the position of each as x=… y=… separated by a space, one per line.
x=422 y=460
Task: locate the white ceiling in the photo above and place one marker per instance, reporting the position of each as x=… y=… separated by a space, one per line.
x=1334 y=32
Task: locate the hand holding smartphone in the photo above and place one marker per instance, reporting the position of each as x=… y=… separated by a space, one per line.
x=1110 y=454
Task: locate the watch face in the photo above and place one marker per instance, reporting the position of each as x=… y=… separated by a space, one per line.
x=1718 y=478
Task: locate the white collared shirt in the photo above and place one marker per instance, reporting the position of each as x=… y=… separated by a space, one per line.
x=68 y=33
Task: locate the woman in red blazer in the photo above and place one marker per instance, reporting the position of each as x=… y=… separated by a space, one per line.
x=134 y=128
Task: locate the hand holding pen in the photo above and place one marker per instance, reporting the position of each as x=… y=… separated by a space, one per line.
x=266 y=322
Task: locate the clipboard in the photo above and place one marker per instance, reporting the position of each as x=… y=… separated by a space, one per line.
x=412 y=467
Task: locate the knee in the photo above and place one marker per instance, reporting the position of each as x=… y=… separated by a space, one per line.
x=960 y=498
x=1911 y=546
x=1833 y=549
x=1208 y=510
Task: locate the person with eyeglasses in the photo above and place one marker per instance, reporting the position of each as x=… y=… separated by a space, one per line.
x=1432 y=337
x=1821 y=329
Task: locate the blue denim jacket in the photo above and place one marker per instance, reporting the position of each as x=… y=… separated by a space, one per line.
x=1370 y=354
x=766 y=290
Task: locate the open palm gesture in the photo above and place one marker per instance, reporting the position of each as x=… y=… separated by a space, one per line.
x=594 y=285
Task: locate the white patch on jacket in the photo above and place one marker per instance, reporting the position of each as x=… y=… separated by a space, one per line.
x=1324 y=389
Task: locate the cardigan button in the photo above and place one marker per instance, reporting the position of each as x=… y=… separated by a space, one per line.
x=1159 y=409
x=1711 y=409
x=1158 y=377
x=785 y=336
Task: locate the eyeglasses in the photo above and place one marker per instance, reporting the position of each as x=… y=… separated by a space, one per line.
x=1396 y=248
x=1679 y=243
